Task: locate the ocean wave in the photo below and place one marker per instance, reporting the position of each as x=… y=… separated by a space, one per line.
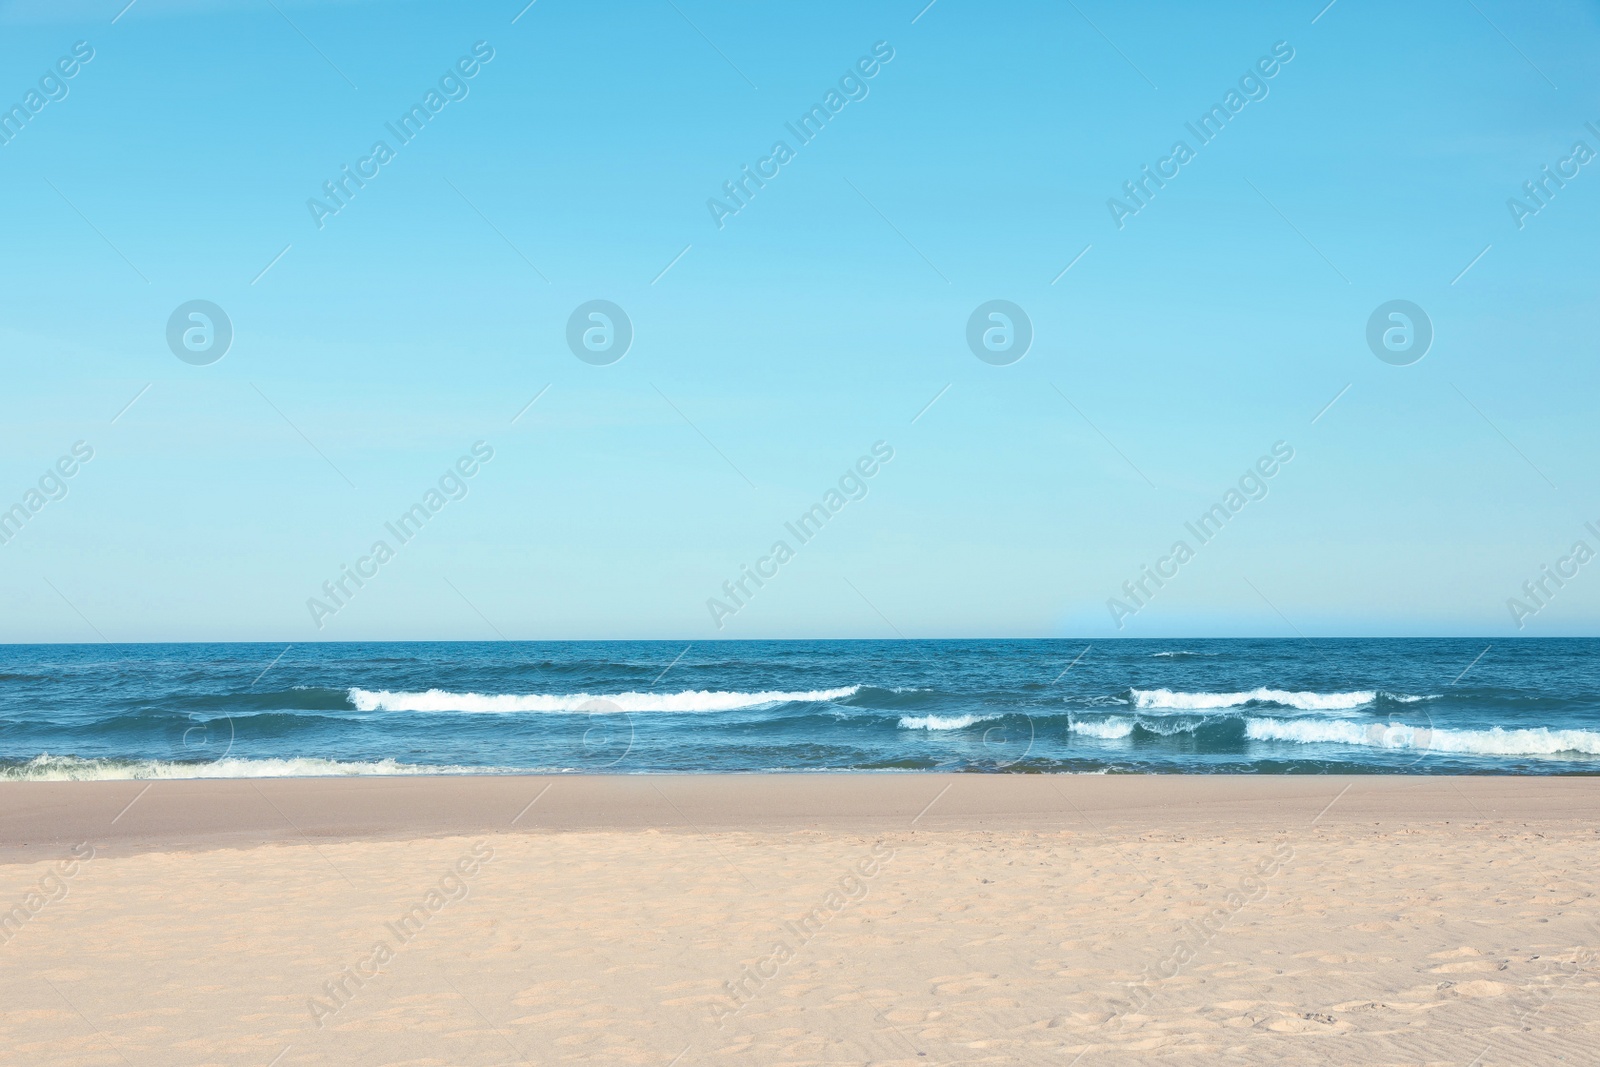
x=1166 y=699
x=1106 y=730
x=701 y=700
x=1495 y=741
x=942 y=722
x=48 y=768
x=1181 y=653
x=1115 y=727
x=1102 y=700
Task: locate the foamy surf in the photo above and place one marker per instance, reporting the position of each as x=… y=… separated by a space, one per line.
x=942 y=722
x=1105 y=730
x=587 y=703
x=1117 y=727
x=1167 y=700
x=48 y=768
x=1495 y=741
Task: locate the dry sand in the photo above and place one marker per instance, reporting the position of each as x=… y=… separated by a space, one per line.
x=895 y=919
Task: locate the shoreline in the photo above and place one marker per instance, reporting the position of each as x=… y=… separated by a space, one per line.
x=136 y=816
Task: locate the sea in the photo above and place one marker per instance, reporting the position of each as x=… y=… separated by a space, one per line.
x=1370 y=706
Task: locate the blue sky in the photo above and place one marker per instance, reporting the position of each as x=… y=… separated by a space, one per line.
x=770 y=354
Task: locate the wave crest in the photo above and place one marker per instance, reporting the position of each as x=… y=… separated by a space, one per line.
x=942 y=722
x=1495 y=741
x=1117 y=727
x=1105 y=730
x=691 y=701
x=1166 y=699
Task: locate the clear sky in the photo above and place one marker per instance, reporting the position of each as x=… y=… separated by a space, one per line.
x=1200 y=323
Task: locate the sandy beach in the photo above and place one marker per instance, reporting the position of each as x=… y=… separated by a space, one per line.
x=801 y=919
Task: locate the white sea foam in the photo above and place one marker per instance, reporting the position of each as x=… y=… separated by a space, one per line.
x=1495 y=741
x=48 y=768
x=1166 y=699
x=1116 y=726
x=942 y=722
x=702 y=700
x=1105 y=730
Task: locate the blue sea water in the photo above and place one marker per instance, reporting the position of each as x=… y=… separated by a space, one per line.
x=1175 y=706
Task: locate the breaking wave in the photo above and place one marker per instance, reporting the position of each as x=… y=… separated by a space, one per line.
x=702 y=700
x=1495 y=741
x=1166 y=699
x=942 y=722
x=1116 y=727
x=1106 y=730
